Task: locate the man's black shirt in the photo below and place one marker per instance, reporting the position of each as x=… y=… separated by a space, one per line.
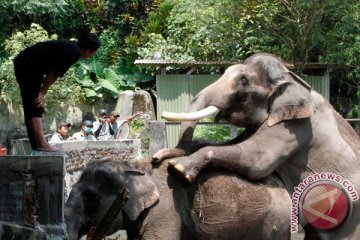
x=44 y=57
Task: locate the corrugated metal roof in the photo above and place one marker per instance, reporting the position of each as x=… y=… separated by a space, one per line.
x=182 y=63
x=160 y=62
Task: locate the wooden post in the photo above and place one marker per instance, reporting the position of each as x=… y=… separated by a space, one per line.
x=163 y=70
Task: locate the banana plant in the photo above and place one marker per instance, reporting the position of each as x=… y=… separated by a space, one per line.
x=97 y=80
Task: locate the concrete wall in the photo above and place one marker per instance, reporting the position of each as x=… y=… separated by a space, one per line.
x=33 y=189
x=12 y=120
x=32 y=197
x=78 y=154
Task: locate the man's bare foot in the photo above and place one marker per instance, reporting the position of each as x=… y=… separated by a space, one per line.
x=46 y=148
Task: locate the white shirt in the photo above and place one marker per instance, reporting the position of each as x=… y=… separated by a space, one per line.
x=117 y=128
x=56 y=138
x=104 y=133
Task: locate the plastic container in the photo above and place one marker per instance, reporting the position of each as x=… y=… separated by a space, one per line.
x=3 y=151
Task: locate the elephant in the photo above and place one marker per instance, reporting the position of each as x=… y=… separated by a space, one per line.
x=218 y=205
x=290 y=130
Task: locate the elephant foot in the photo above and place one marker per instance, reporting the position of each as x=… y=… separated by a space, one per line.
x=185 y=168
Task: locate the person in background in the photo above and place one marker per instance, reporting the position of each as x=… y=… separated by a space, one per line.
x=116 y=125
x=102 y=129
x=61 y=134
x=85 y=133
x=37 y=68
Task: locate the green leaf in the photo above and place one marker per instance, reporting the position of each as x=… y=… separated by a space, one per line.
x=110 y=82
x=104 y=83
x=86 y=82
x=89 y=93
x=111 y=76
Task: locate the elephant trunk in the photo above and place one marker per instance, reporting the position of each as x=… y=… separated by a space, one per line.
x=72 y=231
x=73 y=218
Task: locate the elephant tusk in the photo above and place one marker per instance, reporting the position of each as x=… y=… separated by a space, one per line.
x=191 y=116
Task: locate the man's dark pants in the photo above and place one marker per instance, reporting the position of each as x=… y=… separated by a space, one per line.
x=30 y=83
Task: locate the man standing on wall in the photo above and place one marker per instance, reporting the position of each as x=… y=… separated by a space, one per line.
x=37 y=68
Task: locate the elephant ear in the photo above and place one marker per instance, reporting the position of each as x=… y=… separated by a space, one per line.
x=142 y=193
x=290 y=99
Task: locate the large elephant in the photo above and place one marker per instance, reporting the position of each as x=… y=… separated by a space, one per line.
x=219 y=205
x=291 y=131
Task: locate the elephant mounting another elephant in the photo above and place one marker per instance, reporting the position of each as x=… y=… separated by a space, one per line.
x=291 y=132
x=241 y=189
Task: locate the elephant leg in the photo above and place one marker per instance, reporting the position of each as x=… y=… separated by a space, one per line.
x=167 y=153
x=254 y=158
x=187 y=167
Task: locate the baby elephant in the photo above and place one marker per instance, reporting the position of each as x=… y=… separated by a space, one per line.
x=218 y=205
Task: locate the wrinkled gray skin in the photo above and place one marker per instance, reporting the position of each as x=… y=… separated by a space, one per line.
x=218 y=205
x=290 y=130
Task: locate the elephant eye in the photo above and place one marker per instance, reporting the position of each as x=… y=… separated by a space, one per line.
x=243 y=81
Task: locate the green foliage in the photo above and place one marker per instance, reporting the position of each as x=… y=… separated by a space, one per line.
x=198 y=30
x=64 y=17
x=139 y=128
x=157 y=18
x=342 y=44
x=109 y=52
x=97 y=80
x=168 y=49
x=213 y=133
x=298 y=31
x=137 y=125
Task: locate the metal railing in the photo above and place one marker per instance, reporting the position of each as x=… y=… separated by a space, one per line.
x=352 y=119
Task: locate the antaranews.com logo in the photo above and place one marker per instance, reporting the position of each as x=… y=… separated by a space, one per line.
x=323 y=199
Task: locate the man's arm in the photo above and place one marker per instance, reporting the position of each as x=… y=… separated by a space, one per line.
x=111 y=130
x=97 y=131
x=129 y=118
x=49 y=80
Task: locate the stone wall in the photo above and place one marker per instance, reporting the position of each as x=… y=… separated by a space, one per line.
x=33 y=189
x=78 y=154
x=32 y=197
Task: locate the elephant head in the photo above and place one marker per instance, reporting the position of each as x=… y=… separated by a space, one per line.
x=96 y=190
x=261 y=90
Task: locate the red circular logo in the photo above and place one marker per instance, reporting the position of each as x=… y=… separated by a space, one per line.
x=325 y=206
